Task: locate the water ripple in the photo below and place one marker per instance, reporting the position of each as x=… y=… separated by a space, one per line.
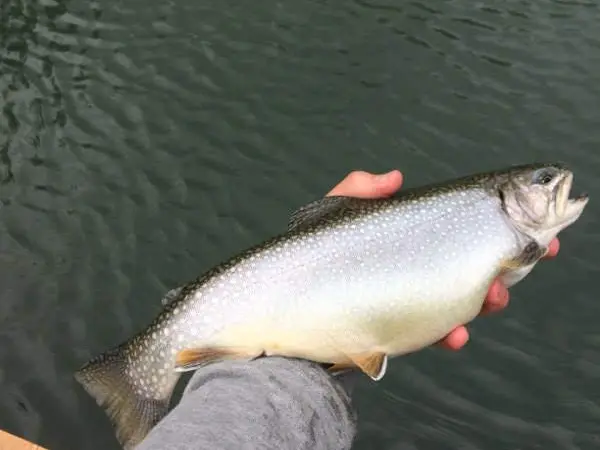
x=140 y=143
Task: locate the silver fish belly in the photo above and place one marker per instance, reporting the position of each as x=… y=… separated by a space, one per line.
x=395 y=280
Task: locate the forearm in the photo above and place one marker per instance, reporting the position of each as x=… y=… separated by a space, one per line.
x=269 y=403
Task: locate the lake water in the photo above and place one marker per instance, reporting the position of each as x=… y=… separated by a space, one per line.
x=143 y=141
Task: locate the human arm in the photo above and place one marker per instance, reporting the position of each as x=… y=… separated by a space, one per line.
x=269 y=404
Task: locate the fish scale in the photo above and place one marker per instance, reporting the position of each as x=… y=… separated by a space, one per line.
x=351 y=283
x=349 y=277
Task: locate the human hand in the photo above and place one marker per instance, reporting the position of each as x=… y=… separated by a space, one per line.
x=368 y=185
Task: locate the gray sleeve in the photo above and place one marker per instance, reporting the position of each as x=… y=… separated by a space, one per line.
x=269 y=403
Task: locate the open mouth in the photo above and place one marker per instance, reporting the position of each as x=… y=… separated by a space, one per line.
x=564 y=202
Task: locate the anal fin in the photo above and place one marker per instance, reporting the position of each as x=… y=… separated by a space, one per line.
x=338 y=368
x=193 y=358
x=372 y=364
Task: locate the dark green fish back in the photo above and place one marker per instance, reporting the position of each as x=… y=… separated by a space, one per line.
x=328 y=210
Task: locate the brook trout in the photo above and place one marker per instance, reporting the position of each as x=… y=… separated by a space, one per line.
x=351 y=283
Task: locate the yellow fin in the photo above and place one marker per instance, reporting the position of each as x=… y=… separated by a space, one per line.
x=510 y=264
x=340 y=367
x=192 y=358
x=373 y=364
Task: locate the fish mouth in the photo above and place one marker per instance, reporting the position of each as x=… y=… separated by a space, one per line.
x=567 y=207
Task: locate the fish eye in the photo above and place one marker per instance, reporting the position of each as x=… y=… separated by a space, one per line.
x=543 y=176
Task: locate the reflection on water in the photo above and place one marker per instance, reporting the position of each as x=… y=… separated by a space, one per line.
x=141 y=143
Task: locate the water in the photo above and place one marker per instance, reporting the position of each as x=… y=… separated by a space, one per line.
x=141 y=142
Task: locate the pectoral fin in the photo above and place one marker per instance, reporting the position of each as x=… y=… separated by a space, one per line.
x=530 y=254
x=193 y=358
x=372 y=364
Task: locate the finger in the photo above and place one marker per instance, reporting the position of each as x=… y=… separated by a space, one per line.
x=553 y=249
x=496 y=299
x=368 y=185
x=456 y=340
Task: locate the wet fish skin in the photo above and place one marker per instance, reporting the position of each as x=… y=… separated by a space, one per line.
x=351 y=282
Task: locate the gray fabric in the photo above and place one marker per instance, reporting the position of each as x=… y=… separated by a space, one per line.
x=269 y=403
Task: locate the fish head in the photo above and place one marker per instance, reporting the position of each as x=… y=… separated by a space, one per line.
x=537 y=199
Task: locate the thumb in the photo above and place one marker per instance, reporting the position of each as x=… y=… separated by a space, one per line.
x=368 y=185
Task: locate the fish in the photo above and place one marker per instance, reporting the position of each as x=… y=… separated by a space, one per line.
x=350 y=283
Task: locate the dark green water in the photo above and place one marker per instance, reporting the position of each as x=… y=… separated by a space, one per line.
x=143 y=141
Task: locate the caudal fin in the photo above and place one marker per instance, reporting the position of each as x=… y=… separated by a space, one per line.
x=106 y=379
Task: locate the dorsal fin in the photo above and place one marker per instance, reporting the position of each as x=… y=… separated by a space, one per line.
x=322 y=210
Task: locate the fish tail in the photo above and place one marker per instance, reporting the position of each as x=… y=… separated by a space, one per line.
x=107 y=378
